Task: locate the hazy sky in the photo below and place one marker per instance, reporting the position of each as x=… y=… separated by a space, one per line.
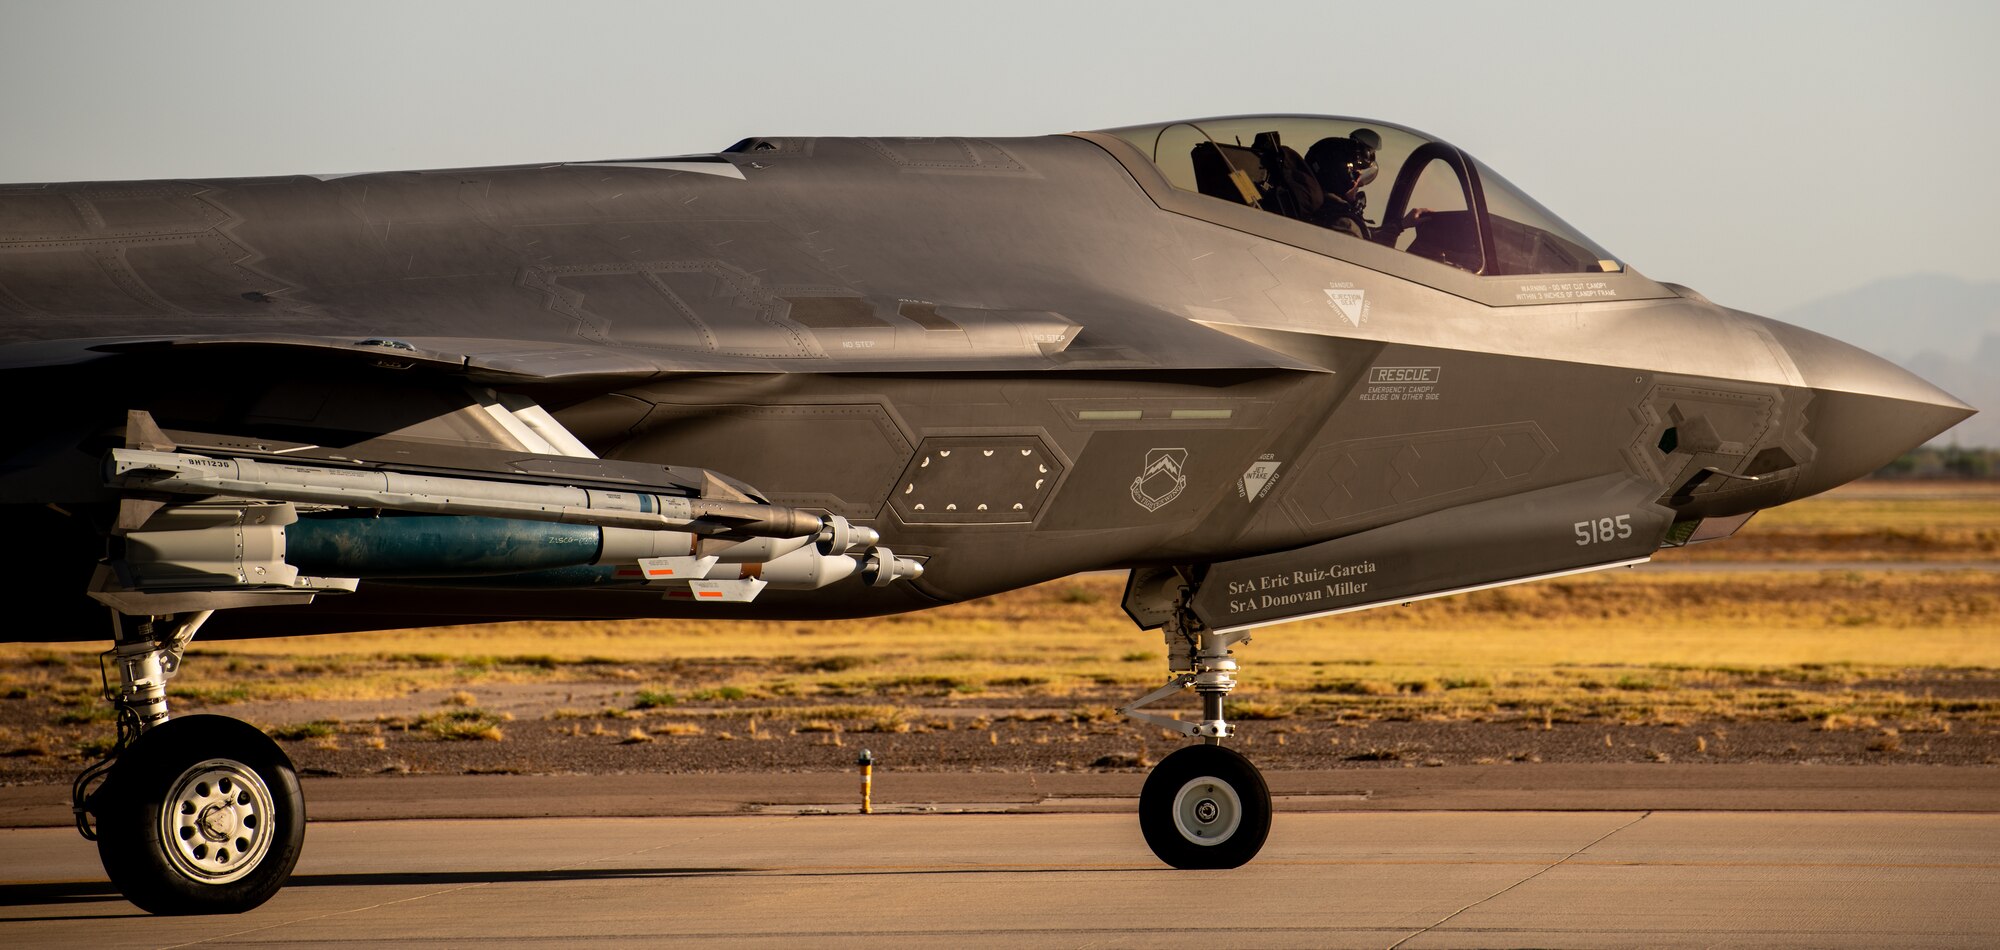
x=1764 y=153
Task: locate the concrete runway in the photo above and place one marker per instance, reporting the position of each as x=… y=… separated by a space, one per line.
x=1335 y=874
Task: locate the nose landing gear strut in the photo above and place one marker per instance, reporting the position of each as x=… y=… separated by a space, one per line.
x=1204 y=806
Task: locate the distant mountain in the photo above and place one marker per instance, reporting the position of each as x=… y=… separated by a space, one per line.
x=1945 y=329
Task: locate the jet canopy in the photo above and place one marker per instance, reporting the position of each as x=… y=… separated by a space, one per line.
x=1375 y=182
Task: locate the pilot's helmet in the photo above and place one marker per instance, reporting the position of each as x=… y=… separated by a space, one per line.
x=1344 y=163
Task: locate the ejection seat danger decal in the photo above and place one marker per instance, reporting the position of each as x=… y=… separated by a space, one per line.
x=1349 y=301
x=1162 y=480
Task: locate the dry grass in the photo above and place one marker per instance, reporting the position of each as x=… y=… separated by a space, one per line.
x=465 y=724
x=1870 y=521
x=1628 y=646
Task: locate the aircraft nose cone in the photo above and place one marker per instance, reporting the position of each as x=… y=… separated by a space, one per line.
x=1865 y=410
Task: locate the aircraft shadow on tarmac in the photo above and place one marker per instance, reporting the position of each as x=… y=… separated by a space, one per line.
x=91 y=892
x=78 y=892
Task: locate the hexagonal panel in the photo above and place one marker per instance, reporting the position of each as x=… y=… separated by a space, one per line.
x=977 y=480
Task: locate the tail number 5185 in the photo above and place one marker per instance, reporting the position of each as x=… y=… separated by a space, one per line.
x=1602 y=530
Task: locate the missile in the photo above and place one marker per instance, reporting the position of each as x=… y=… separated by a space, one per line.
x=187 y=473
x=479 y=532
x=706 y=581
x=437 y=546
x=803 y=569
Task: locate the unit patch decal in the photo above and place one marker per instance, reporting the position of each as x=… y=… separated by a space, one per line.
x=1162 y=480
x=1258 y=478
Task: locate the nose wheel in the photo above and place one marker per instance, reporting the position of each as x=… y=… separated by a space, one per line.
x=1204 y=808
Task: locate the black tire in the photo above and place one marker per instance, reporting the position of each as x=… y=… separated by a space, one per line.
x=202 y=815
x=1205 y=808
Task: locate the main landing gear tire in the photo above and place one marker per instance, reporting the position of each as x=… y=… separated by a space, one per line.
x=1204 y=808
x=201 y=815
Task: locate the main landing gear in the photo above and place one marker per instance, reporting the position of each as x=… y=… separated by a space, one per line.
x=200 y=815
x=1204 y=806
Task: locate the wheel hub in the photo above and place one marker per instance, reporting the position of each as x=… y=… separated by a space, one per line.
x=1207 y=811
x=217 y=821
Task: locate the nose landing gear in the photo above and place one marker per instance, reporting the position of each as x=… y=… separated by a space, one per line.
x=1203 y=807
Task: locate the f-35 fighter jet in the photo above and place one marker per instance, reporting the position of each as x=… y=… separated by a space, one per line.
x=1276 y=367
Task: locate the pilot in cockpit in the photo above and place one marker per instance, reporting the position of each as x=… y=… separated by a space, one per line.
x=1344 y=165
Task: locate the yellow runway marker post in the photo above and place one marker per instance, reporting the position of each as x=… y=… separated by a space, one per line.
x=867 y=763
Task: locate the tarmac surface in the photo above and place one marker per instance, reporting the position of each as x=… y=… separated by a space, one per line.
x=1501 y=856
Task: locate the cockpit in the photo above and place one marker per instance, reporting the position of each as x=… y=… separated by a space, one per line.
x=1371 y=181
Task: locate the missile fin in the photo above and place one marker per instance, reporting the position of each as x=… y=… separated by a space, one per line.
x=715 y=489
x=727 y=592
x=675 y=568
x=141 y=432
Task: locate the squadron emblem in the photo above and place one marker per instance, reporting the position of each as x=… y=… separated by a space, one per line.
x=1163 y=479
